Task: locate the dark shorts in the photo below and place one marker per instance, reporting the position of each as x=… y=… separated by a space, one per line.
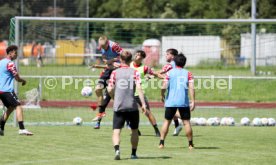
x=119 y=119
x=184 y=112
x=137 y=99
x=9 y=99
x=104 y=77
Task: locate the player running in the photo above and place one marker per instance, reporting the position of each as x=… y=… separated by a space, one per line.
x=138 y=65
x=178 y=82
x=8 y=73
x=110 y=54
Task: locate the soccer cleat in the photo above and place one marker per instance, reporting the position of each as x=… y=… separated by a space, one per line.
x=97 y=126
x=177 y=130
x=191 y=147
x=99 y=116
x=25 y=132
x=1 y=132
x=161 y=146
x=117 y=155
x=133 y=157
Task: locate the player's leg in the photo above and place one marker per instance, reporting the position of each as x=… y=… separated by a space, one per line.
x=102 y=108
x=3 y=120
x=102 y=84
x=178 y=126
x=169 y=114
x=150 y=116
x=186 y=116
x=133 y=118
x=20 y=119
x=118 y=124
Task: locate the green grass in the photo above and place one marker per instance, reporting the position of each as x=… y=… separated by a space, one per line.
x=242 y=90
x=85 y=145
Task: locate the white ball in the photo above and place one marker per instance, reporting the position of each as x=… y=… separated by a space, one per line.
x=223 y=121
x=271 y=122
x=264 y=121
x=211 y=121
x=217 y=121
x=230 y=121
x=245 y=121
x=257 y=122
x=86 y=91
x=77 y=121
x=194 y=121
x=201 y=121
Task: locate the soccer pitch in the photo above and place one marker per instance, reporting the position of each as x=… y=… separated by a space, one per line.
x=85 y=145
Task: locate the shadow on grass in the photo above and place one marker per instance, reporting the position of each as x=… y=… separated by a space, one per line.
x=149 y=157
x=206 y=148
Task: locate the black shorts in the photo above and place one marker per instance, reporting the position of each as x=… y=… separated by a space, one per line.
x=137 y=99
x=184 y=112
x=119 y=119
x=9 y=99
x=105 y=76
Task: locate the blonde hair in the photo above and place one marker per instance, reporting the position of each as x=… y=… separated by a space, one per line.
x=102 y=40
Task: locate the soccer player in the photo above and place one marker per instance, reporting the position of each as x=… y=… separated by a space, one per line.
x=138 y=65
x=178 y=82
x=170 y=54
x=110 y=53
x=8 y=73
x=122 y=85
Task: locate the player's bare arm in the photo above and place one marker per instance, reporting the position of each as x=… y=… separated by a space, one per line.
x=19 y=79
x=192 y=95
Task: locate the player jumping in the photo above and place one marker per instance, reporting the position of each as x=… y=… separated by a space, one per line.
x=110 y=54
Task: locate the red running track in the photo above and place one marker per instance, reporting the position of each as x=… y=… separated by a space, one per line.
x=256 y=105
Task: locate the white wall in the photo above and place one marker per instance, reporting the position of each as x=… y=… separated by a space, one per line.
x=265 y=48
x=195 y=48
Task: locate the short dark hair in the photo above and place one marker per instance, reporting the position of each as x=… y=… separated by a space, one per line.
x=142 y=53
x=180 y=60
x=126 y=56
x=172 y=51
x=11 y=48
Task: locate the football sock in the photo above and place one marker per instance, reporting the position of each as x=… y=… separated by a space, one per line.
x=133 y=151
x=191 y=143
x=99 y=121
x=101 y=109
x=2 y=123
x=162 y=142
x=116 y=147
x=176 y=123
x=21 y=125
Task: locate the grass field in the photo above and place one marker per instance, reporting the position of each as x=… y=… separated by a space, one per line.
x=85 y=145
x=242 y=90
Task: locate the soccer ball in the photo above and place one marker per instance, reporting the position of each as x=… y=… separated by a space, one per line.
x=201 y=121
x=230 y=121
x=223 y=121
x=217 y=121
x=257 y=122
x=211 y=121
x=245 y=121
x=264 y=121
x=271 y=122
x=86 y=91
x=194 y=121
x=77 y=121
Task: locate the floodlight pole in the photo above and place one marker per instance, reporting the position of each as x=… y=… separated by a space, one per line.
x=253 y=37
